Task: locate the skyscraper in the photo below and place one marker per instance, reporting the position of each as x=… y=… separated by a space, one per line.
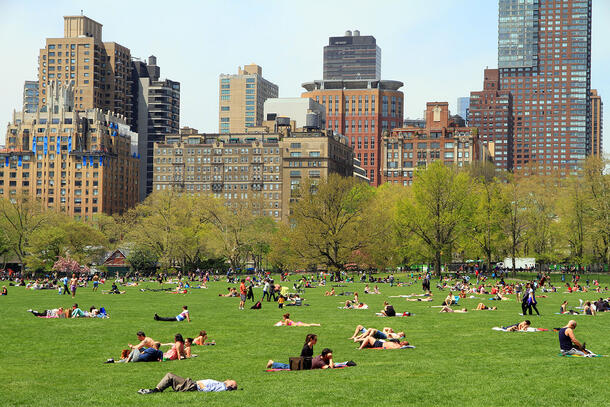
x=99 y=71
x=597 y=124
x=241 y=99
x=491 y=111
x=352 y=57
x=544 y=58
x=156 y=112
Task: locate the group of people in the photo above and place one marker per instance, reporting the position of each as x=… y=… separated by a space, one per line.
x=148 y=350
x=375 y=338
x=73 y=312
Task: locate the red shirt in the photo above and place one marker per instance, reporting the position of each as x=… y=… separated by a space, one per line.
x=242 y=288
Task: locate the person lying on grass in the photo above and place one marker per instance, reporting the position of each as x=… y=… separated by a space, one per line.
x=181 y=384
x=483 y=307
x=330 y=293
x=371 y=342
x=521 y=326
x=568 y=344
x=449 y=309
x=349 y=304
x=150 y=354
x=232 y=292
x=386 y=333
x=202 y=338
x=180 y=317
x=52 y=313
x=306 y=352
x=134 y=351
x=588 y=309
x=286 y=321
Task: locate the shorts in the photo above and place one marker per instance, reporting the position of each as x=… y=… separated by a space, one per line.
x=378 y=344
x=95 y=283
x=73 y=288
x=242 y=297
x=379 y=335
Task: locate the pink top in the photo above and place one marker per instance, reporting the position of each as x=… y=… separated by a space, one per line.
x=172 y=354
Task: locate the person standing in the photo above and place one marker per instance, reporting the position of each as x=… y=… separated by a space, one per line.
x=96 y=281
x=532 y=300
x=242 y=294
x=65 y=283
x=266 y=292
x=73 y=285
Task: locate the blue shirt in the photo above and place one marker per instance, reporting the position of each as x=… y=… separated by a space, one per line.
x=150 y=355
x=210 y=385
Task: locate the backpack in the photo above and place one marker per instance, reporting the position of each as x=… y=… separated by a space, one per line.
x=258 y=305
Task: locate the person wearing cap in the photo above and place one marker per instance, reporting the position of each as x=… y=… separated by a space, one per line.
x=187 y=384
x=568 y=343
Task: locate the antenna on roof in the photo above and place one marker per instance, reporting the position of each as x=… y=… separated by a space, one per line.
x=81 y=12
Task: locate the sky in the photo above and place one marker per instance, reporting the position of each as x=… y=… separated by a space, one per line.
x=437 y=49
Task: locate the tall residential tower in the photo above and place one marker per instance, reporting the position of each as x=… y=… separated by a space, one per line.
x=544 y=58
x=242 y=99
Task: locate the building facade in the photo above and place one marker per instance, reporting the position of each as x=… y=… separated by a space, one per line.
x=156 y=112
x=407 y=148
x=352 y=57
x=260 y=169
x=544 y=58
x=99 y=71
x=30 y=96
x=361 y=111
x=597 y=124
x=81 y=163
x=491 y=112
x=242 y=98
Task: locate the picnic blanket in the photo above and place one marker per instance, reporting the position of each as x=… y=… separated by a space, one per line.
x=364 y=307
x=337 y=366
x=402 y=347
x=583 y=356
x=497 y=328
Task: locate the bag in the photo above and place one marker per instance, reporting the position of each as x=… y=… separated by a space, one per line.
x=258 y=305
x=296 y=363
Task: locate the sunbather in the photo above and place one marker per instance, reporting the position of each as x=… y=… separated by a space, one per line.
x=521 y=326
x=371 y=342
x=449 y=309
x=483 y=307
x=286 y=321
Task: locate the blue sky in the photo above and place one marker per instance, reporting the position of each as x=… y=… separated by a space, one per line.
x=437 y=48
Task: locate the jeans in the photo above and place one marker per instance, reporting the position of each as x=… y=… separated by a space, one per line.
x=278 y=365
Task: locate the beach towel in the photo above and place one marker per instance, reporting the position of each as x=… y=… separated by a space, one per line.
x=581 y=356
x=497 y=328
x=402 y=347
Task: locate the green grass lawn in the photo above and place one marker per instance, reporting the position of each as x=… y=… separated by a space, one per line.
x=458 y=361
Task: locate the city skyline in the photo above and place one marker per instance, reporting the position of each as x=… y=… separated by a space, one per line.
x=289 y=50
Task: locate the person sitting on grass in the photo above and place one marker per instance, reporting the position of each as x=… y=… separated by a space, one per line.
x=286 y=321
x=180 y=317
x=134 y=353
x=4 y=290
x=324 y=360
x=150 y=354
x=483 y=307
x=564 y=309
x=371 y=342
x=568 y=344
x=78 y=313
x=588 y=309
x=388 y=310
x=306 y=354
x=330 y=293
x=177 y=350
x=181 y=384
x=521 y=326
x=449 y=309
x=449 y=300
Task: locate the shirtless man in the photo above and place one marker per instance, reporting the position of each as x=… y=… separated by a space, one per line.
x=134 y=355
x=371 y=342
x=568 y=343
x=449 y=309
x=385 y=333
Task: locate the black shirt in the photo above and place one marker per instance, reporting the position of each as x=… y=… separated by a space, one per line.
x=307 y=351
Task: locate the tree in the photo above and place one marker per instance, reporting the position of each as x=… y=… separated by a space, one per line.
x=574 y=213
x=20 y=218
x=597 y=184
x=142 y=259
x=491 y=207
x=68 y=265
x=514 y=225
x=330 y=220
x=438 y=209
